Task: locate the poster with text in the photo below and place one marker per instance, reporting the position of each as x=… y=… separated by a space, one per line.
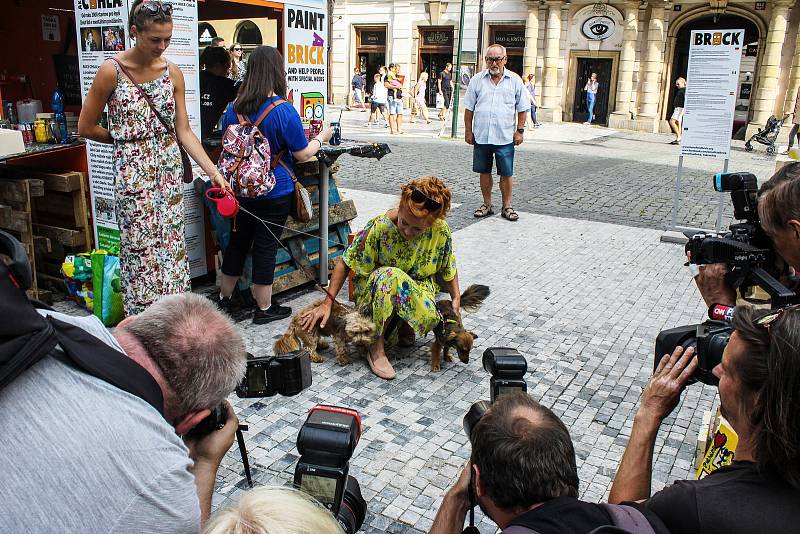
x=306 y=37
x=102 y=28
x=711 y=84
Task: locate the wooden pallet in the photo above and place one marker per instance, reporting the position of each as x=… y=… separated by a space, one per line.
x=57 y=210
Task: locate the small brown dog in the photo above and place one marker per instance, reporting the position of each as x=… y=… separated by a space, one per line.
x=451 y=332
x=345 y=325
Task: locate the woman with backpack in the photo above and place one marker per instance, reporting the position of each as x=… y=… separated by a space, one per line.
x=148 y=124
x=263 y=93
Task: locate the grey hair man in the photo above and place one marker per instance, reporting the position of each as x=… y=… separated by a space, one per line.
x=80 y=455
x=495 y=110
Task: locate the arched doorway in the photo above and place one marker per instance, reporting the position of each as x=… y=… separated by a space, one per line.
x=747 y=70
x=248 y=34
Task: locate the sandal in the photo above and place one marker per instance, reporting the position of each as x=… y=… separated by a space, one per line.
x=484 y=211
x=509 y=213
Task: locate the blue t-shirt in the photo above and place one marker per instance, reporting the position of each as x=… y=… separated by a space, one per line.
x=284 y=131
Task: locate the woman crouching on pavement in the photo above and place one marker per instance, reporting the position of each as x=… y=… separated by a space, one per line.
x=398 y=260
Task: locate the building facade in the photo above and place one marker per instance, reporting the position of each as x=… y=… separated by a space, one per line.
x=638 y=48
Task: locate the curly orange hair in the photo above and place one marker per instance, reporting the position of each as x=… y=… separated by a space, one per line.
x=433 y=188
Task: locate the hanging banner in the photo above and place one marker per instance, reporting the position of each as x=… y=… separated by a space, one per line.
x=102 y=29
x=306 y=54
x=711 y=84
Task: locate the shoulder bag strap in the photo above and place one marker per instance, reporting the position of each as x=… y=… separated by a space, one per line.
x=268 y=110
x=148 y=100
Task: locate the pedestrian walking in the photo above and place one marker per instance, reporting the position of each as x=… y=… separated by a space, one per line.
x=795 y=131
x=530 y=85
x=676 y=121
x=495 y=110
x=262 y=100
x=418 y=99
x=445 y=87
x=378 y=100
x=357 y=84
x=147 y=119
x=591 y=95
x=394 y=84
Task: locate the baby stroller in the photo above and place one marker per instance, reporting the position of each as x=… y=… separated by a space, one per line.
x=767 y=135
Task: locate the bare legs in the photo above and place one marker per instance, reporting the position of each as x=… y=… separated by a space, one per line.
x=487 y=183
x=262 y=293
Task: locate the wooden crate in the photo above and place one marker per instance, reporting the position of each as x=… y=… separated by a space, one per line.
x=59 y=216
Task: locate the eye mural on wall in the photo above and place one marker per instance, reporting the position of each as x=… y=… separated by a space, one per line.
x=598 y=28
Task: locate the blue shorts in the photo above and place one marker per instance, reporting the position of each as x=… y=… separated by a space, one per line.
x=503 y=156
x=395 y=106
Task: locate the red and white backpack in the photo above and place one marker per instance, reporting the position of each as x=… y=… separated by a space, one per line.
x=245 y=159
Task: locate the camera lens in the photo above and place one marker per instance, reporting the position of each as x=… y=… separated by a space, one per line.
x=354 y=508
x=474 y=415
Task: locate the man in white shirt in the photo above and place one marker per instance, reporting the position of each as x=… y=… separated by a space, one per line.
x=495 y=109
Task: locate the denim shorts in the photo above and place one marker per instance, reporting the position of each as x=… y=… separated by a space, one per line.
x=503 y=156
x=395 y=106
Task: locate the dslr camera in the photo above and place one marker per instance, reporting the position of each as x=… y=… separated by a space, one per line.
x=507 y=368
x=326 y=442
x=752 y=263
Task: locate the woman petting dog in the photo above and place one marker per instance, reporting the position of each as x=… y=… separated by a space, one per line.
x=398 y=260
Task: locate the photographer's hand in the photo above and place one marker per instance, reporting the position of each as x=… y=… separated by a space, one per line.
x=711 y=283
x=455 y=505
x=659 y=398
x=207 y=452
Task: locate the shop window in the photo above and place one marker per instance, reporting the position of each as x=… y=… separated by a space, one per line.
x=248 y=33
x=206 y=33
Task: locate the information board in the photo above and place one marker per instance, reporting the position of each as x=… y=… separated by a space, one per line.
x=102 y=29
x=306 y=38
x=711 y=84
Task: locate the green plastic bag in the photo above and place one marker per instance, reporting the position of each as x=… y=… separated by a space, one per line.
x=107 y=287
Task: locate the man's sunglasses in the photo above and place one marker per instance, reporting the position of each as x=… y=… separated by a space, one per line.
x=154 y=6
x=418 y=197
x=494 y=59
x=767 y=319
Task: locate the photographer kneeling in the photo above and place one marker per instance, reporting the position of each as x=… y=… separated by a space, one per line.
x=81 y=455
x=525 y=478
x=759 y=379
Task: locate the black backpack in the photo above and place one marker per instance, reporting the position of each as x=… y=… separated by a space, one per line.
x=625 y=520
x=26 y=336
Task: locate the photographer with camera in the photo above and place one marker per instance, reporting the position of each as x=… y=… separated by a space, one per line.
x=523 y=474
x=779 y=214
x=80 y=454
x=759 y=377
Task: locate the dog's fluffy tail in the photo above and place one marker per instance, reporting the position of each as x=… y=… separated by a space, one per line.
x=473 y=297
x=287 y=343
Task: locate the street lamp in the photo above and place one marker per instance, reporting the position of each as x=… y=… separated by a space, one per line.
x=457 y=73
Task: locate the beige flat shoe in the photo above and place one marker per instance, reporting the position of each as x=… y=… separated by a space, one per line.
x=382 y=369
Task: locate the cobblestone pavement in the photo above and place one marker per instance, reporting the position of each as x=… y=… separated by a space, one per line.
x=605 y=176
x=583 y=301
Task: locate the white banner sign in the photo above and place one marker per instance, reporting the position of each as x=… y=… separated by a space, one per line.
x=711 y=84
x=102 y=29
x=306 y=38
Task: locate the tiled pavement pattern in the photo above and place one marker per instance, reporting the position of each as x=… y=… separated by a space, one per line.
x=582 y=300
x=623 y=178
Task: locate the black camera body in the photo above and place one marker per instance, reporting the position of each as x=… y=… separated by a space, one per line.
x=709 y=340
x=287 y=375
x=326 y=442
x=507 y=367
x=745 y=248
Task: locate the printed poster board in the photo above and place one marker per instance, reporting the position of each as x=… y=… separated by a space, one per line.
x=102 y=29
x=711 y=91
x=305 y=37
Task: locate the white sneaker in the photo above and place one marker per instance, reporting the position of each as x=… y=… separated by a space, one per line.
x=369 y=124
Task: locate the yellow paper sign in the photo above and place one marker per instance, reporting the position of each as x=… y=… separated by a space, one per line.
x=721 y=451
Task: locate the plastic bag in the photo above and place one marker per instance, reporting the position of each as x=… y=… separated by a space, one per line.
x=439 y=101
x=107 y=288
x=77 y=274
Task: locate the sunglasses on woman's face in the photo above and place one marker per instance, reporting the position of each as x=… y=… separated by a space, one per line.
x=237 y=49
x=418 y=197
x=769 y=318
x=154 y=6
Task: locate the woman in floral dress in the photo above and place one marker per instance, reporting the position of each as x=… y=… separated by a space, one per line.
x=148 y=187
x=398 y=260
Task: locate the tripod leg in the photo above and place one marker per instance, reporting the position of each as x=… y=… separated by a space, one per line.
x=243 y=451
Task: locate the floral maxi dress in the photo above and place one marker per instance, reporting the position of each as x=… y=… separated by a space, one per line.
x=393 y=274
x=149 y=193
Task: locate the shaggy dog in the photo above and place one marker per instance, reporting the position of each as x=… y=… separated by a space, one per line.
x=451 y=332
x=345 y=325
